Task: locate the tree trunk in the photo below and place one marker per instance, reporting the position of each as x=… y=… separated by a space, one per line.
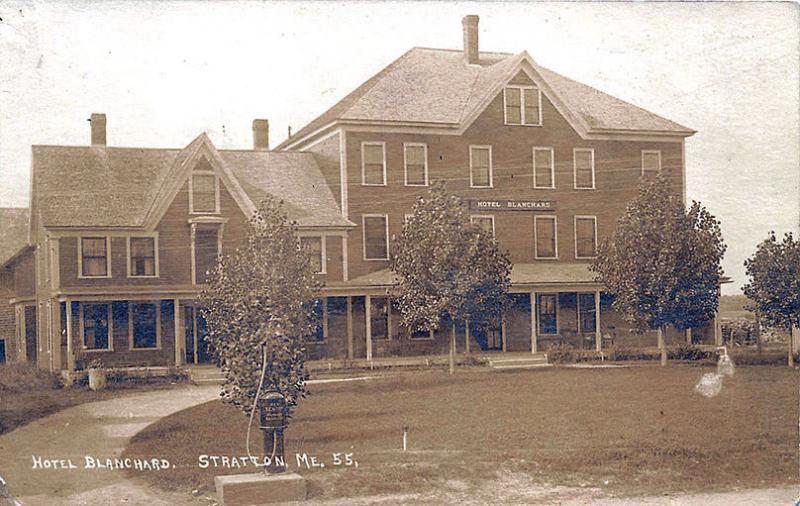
x=662 y=346
x=452 y=348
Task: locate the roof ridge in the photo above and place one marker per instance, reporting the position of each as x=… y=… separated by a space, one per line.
x=102 y=147
x=450 y=50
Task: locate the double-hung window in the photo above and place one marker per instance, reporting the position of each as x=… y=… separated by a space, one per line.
x=415 y=157
x=583 y=164
x=585 y=236
x=144 y=325
x=95 y=261
x=379 y=317
x=480 y=166
x=313 y=246
x=375 y=228
x=547 y=309
x=651 y=162
x=544 y=233
x=543 y=168
x=523 y=105
x=96 y=326
x=485 y=222
x=373 y=163
x=142 y=253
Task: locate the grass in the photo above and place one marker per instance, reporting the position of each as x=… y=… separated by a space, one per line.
x=627 y=431
x=28 y=393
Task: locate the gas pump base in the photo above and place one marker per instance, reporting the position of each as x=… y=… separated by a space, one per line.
x=259 y=488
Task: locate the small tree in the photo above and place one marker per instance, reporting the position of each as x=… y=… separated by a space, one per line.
x=259 y=303
x=447 y=268
x=774 y=284
x=662 y=262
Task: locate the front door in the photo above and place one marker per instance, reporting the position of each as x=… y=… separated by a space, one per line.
x=196 y=346
x=489 y=339
x=30 y=333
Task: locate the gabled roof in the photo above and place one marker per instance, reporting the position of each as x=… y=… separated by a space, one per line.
x=111 y=187
x=438 y=87
x=13 y=231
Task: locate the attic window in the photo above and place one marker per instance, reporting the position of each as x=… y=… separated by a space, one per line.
x=203 y=193
x=523 y=105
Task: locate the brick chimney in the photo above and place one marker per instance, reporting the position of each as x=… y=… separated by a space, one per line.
x=470 y=25
x=98 y=123
x=260 y=134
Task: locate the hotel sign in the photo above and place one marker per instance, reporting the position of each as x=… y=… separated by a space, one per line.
x=510 y=205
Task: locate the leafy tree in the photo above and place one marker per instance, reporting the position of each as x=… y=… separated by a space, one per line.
x=448 y=269
x=259 y=302
x=774 y=285
x=662 y=262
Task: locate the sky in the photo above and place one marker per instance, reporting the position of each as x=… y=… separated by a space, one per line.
x=165 y=71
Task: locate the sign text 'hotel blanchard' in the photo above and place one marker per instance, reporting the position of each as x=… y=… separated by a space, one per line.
x=510 y=205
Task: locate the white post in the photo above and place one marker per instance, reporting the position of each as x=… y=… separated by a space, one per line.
x=70 y=351
x=534 y=344
x=325 y=318
x=689 y=336
x=795 y=340
x=598 y=336
x=350 y=327
x=192 y=254
x=503 y=331
x=367 y=311
x=717 y=330
x=466 y=337
x=178 y=338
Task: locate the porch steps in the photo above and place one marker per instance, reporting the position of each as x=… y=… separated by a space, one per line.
x=205 y=375
x=529 y=362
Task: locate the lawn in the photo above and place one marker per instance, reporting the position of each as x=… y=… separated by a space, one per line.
x=629 y=431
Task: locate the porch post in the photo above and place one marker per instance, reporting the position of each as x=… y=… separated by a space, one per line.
x=325 y=318
x=350 y=327
x=503 y=332
x=179 y=339
x=717 y=330
x=689 y=336
x=598 y=337
x=368 y=318
x=193 y=235
x=466 y=336
x=70 y=351
x=534 y=344
x=795 y=339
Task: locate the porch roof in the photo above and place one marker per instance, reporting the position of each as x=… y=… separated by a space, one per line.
x=542 y=273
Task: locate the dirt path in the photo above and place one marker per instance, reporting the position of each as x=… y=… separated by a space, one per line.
x=100 y=430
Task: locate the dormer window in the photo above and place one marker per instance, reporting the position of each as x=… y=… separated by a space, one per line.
x=523 y=105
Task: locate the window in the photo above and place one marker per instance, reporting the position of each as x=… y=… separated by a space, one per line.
x=547 y=307
x=651 y=162
x=523 y=105
x=314 y=247
x=144 y=322
x=376 y=236
x=96 y=326
x=94 y=257
x=544 y=232
x=543 y=168
x=379 y=317
x=583 y=160
x=206 y=251
x=416 y=163
x=586 y=313
x=484 y=222
x=480 y=166
x=142 y=257
x=373 y=163
x=585 y=237
x=204 y=197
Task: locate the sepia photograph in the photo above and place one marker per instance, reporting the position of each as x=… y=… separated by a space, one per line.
x=399 y=252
